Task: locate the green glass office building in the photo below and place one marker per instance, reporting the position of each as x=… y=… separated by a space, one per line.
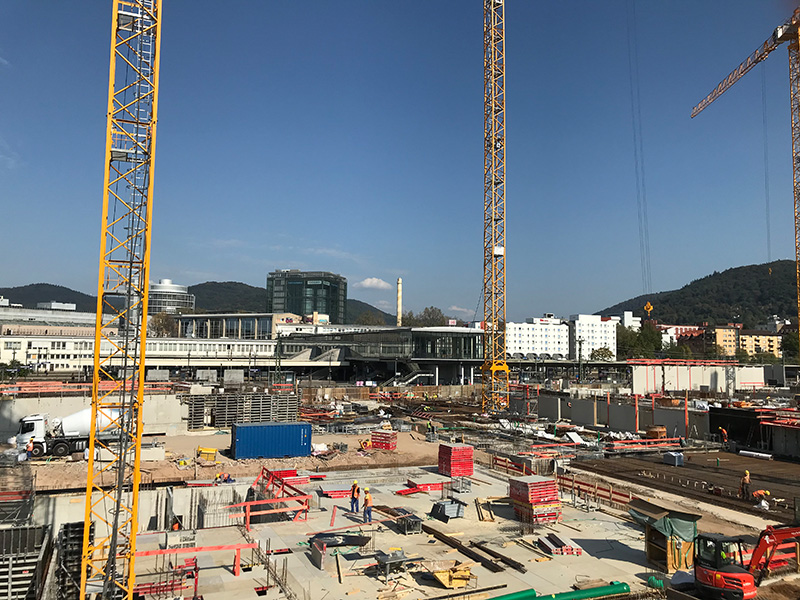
x=306 y=292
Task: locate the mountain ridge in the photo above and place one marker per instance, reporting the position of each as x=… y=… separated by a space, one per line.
x=749 y=294
x=211 y=296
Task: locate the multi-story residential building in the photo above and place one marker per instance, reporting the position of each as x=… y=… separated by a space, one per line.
x=592 y=332
x=724 y=336
x=307 y=292
x=758 y=341
x=631 y=322
x=544 y=337
x=170 y=298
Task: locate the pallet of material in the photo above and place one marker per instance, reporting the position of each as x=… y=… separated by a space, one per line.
x=536 y=518
x=456 y=460
x=384 y=439
x=533 y=489
x=427 y=483
x=553 y=543
x=335 y=490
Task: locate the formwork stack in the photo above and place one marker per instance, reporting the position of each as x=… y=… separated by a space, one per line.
x=455 y=460
x=68 y=567
x=535 y=499
x=223 y=410
x=383 y=439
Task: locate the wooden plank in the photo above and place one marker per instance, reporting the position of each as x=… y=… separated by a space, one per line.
x=463 y=548
x=464 y=593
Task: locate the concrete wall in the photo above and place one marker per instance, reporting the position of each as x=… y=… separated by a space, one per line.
x=60 y=509
x=648 y=379
x=583 y=411
x=622 y=417
x=785 y=441
x=162 y=413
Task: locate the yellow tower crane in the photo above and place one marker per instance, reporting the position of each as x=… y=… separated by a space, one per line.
x=494 y=372
x=789 y=33
x=112 y=485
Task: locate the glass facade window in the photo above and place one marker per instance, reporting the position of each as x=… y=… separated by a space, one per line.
x=304 y=293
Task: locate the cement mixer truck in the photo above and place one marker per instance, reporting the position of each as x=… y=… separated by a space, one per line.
x=59 y=437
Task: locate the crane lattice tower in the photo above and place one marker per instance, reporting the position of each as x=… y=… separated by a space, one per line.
x=112 y=488
x=494 y=370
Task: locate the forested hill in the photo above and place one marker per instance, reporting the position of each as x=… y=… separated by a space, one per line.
x=212 y=296
x=229 y=296
x=748 y=295
x=29 y=295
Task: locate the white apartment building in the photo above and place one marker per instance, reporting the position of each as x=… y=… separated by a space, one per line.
x=595 y=332
x=546 y=335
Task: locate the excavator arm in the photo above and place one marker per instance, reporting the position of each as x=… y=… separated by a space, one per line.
x=768 y=541
x=782 y=34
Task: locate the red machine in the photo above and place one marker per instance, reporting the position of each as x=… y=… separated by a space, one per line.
x=719 y=570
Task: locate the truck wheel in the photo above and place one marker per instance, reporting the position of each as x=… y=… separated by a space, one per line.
x=38 y=450
x=60 y=450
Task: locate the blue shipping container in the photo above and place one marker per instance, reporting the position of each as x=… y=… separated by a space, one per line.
x=270 y=440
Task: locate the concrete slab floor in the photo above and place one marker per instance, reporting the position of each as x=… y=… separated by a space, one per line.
x=613 y=548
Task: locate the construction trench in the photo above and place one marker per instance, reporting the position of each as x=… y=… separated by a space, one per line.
x=283 y=528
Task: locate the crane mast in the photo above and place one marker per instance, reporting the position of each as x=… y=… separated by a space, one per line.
x=789 y=32
x=494 y=370
x=112 y=486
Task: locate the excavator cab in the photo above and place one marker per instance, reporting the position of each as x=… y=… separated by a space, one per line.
x=718 y=570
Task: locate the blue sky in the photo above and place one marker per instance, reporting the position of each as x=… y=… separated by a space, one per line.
x=346 y=136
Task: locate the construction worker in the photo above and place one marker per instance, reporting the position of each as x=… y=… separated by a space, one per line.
x=760 y=495
x=29 y=448
x=354 y=494
x=724 y=433
x=430 y=426
x=744 y=488
x=367 y=506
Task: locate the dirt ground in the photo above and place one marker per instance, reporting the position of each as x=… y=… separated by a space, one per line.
x=412 y=449
x=782 y=590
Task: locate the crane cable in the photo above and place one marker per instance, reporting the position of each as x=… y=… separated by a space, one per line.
x=766 y=158
x=638 y=150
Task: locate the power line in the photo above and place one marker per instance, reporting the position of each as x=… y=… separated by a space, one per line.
x=638 y=150
x=766 y=156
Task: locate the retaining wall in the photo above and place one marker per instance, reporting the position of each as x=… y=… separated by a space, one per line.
x=161 y=413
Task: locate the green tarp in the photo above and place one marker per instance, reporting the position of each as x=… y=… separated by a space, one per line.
x=669 y=522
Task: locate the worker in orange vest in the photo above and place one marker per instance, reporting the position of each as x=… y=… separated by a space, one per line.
x=759 y=495
x=724 y=433
x=367 y=506
x=29 y=448
x=355 y=492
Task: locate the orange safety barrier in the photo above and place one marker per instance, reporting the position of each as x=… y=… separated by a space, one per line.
x=509 y=466
x=281 y=492
x=594 y=490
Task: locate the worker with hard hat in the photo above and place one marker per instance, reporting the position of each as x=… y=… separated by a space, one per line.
x=759 y=495
x=367 y=506
x=355 y=492
x=744 y=487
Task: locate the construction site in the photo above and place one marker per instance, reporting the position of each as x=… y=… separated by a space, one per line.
x=315 y=490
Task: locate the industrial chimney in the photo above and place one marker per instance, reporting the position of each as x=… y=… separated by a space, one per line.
x=399 y=301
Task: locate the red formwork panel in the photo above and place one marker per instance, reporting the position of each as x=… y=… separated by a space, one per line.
x=535 y=499
x=456 y=460
x=384 y=440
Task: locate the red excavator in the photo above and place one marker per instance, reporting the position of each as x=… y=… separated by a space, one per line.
x=719 y=571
